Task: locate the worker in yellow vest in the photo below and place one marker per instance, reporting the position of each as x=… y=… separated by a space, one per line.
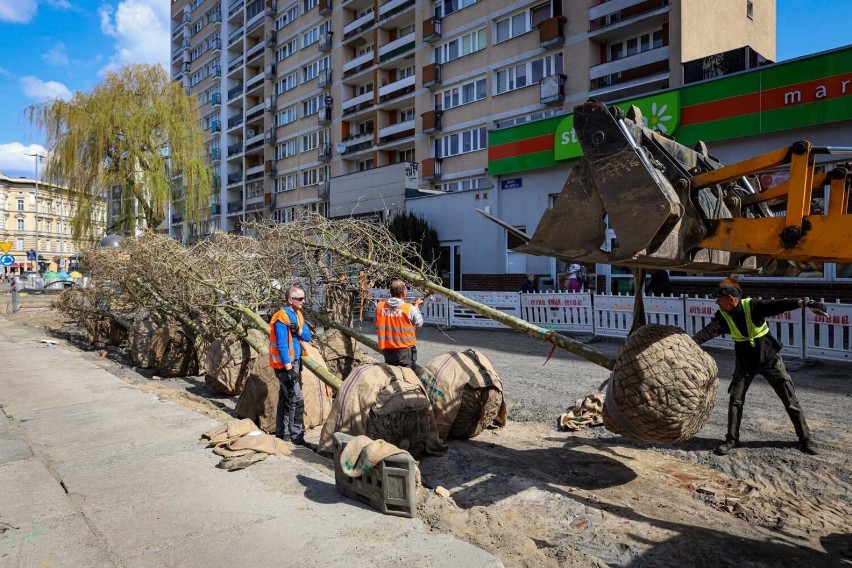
x=757 y=352
x=397 y=322
x=286 y=331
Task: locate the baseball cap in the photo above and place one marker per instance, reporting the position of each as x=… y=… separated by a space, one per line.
x=726 y=291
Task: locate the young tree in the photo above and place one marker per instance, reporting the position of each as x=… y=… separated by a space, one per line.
x=409 y=228
x=136 y=130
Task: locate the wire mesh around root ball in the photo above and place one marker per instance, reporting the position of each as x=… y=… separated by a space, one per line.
x=663 y=386
x=407 y=430
x=479 y=409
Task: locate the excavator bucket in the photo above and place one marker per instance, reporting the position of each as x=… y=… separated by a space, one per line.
x=628 y=200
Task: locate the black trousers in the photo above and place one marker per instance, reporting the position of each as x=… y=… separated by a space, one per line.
x=401 y=357
x=290 y=415
x=778 y=378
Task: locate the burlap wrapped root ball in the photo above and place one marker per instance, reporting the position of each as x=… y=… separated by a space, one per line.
x=663 y=386
x=228 y=360
x=173 y=352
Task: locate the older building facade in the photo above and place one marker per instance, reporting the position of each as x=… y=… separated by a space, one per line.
x=302 y=97
x=36 y=217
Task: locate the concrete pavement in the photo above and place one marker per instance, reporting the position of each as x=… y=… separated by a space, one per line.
x=94 y=472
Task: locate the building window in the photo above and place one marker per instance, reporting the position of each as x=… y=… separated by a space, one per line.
x=365 y=165
x=526 y=118
x=311 y=70
x=20 y=204
x=286 y=183
x=461 y=142
x=406 y=155
x=287 y=50
x=20 y=224
x=463 y=185
x=463 y=94
x=286 y=149
x=528 y=73
x=308 y=5
x=286 y=116
x=406 y=114
x=634 y=45
x=445 y=7
x=406 y=72
x=287 y=83
x=19 y=244
x=459 y=47
x=314 y=176
x=312 y=36
x=311 y=106
x=287 y=18
x=750 y=9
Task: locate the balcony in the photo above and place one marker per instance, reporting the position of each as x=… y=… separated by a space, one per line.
x=254 y=171
x=234 y=207
x=235 y=63
x=254 y=111
x=178 y=54
x=254 y=139
x=396 y=47
x=431 y=121
x=325 y=7
x=394 y=7
x=324 y=153
x=552 y=89
x=216 y=209
x=325 y=41
x=324 y=116
x=216 y=45
x=396 y=131
x=269 y=168
x=631 y=62
x=430 y=168
x=216 y=126
x=431 y=29
x=552 y=32
x=235 y=35
x=324 y=78
x=215 y=99
x=614 y=13
x=358 y=63
x=431 y=75
x=271 y=136
x=176 y=218
x=324 y=189
x=235 y=149
x=254 y=51
x=235 y=92
x=235 y=120
x=396 y=89
x=354 y=28
x=235 y=7
x=258 y=78
x=178 y=29
x=359 y=103
x=215 y=155
x=235 y=177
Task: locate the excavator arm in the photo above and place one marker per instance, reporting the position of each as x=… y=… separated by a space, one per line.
x=675 y=207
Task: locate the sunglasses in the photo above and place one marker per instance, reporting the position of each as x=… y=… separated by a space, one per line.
x=302 y=299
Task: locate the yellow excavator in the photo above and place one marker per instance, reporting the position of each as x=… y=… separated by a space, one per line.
x=639 y=199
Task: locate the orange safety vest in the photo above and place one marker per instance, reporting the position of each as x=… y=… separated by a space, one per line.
x=274 y=355
x=393 y=326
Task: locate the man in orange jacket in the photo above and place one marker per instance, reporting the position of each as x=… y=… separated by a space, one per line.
x=396 y=324
x=286 y=329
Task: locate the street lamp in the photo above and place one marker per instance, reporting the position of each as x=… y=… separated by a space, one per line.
x=36 y=156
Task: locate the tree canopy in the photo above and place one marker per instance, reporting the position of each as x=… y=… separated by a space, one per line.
x=410 y=228
x=135 y=130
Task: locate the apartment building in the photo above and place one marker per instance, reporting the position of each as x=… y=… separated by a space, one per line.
x=36 y=217
x=350 y=107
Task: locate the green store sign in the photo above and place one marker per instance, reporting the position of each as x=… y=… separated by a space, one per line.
x=660 y=112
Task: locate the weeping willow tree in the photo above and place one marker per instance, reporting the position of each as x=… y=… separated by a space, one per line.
x=137 y=130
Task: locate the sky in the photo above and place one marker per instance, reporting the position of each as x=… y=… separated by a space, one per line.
x=52 y=48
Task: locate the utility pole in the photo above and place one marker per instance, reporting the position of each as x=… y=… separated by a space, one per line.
x=37 y=157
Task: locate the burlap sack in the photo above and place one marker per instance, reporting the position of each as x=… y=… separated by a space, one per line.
x=662 y=388
x=388 y=402
x=340 y=353
x=117 y=334
x=140 y=342
x=97 y=330
x=173 y=352
x=259 y=398
x=466 y=394
x=228 y=361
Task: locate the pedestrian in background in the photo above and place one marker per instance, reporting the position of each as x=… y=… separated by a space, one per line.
x=287 y=330
x=659 y=284
x=397 y=322
x=756 y=351
x=575 y=281
x=530 y=284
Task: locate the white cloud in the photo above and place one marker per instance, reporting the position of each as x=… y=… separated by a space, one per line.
x=5 y=73
x=18 y=11
x=23 y=11
x=41 y=91
x=56 y=56
x=14 y=159
x=141 y=29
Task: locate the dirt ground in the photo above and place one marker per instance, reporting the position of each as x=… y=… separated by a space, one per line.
x=538 y=497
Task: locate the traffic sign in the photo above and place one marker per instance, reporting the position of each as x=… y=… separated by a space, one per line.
x=31 y=255
x=5 y=246
x=7 y=260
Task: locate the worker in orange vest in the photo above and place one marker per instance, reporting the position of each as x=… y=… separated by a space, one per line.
x=286 y=331
x=396 y=324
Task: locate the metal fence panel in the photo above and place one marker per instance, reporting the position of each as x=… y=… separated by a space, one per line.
x=829 y=337
x=506 y=302
x=613 y=315
x=561 y=311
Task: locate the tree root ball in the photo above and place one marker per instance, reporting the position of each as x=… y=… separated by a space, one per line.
x=480 y=409
x=662 y=388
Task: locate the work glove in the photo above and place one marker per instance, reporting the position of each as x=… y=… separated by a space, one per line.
x=817 y=307
x=293 y=374
x=294 y=328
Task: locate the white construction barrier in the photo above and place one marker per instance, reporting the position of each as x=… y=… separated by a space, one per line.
x=699 y=312
x=506 y=302
x=560 y=311
x=829 y=337
x=613 y=315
